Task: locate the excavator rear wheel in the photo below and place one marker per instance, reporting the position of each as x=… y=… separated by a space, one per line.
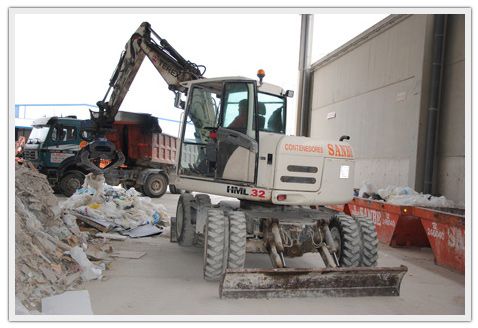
x=184 y=227
x=215 y=241
x=237 y=240
x=369 y=240
x=346 y=234
x=203 y=203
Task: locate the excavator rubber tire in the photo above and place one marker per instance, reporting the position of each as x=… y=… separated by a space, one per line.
x=184 y=227
x=369 y=239
x=350 y=241
x=70 y=182
x=155 y=185
x=237 y=240
x=203 y=201
x=215 y=251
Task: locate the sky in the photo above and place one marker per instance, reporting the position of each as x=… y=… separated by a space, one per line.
x=69 y=58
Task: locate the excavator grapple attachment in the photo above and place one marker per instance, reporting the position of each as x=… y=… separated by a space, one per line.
x=289 y=282
x=92 y=156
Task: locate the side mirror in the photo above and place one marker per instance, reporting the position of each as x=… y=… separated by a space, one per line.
x=289 y=93
x=178 y=103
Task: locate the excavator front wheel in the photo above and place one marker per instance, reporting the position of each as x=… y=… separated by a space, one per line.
x=346 y=235
x=215 y=241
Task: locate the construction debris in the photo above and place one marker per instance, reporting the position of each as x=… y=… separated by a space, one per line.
x=404 y=196
x=49 y=246
x=114 y=209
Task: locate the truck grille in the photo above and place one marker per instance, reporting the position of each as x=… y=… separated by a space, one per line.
x=30 y=155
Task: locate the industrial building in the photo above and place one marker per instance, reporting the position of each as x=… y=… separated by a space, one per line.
x=375 y=88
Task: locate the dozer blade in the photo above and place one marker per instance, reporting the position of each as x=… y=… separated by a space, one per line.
x=290 y=282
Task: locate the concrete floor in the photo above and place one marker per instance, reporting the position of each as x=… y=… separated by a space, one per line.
x=168 y=281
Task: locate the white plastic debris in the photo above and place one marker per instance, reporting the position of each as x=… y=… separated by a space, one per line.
x=89 y=271
x=115 y=207
x=366 y=188
x=406 y=196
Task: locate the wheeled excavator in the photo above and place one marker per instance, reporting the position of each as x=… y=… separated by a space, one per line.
x=233 y=143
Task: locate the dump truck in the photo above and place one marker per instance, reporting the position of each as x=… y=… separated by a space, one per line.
x=149 y=154
x=233 y=143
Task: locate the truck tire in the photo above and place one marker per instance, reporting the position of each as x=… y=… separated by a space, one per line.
x=70 y=182
x=155 y=185
x=215 y=251
x=237 y=240
x=369 y=240
x=174 y=190
x=346 y=233
x=184 y=227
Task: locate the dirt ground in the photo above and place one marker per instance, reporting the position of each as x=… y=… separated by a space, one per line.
x=168 y=281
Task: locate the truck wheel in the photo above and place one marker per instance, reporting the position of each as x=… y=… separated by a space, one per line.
x=369 y=240
x=346 y=234
x=215 y=251
x=71 y=181
x=155 y=185
x=237 y=240
x=174 y=190
x=184 y=227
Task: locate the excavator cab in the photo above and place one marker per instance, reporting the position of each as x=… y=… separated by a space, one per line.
x=220 y=135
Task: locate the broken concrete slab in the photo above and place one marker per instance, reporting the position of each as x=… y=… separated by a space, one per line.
x=69 y=303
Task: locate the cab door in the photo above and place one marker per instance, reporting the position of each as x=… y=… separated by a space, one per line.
x=237 y=145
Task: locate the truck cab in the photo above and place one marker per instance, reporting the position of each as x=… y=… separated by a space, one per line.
x=149 y=155
x=52 y=146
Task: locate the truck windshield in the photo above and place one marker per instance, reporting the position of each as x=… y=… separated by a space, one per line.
x=38 y=134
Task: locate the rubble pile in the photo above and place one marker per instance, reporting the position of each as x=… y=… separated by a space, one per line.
x=114 y=209
x=49 y=246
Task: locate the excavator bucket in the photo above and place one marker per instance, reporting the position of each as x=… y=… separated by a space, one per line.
x=290 y=282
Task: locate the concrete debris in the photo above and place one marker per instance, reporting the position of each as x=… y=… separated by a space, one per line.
x=72 y=303
x=109 y=208
x=45 y=241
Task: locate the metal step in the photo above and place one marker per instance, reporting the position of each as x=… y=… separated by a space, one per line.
x=293 y=282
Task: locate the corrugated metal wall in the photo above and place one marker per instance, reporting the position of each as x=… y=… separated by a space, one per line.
x=376 y=87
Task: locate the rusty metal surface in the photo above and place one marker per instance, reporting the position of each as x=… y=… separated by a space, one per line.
x=290 y=282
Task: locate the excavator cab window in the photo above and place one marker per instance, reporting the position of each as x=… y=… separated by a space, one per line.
x=201 y=120
x=271 y=113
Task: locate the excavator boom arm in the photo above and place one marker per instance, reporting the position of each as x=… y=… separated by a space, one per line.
x=172 y=67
